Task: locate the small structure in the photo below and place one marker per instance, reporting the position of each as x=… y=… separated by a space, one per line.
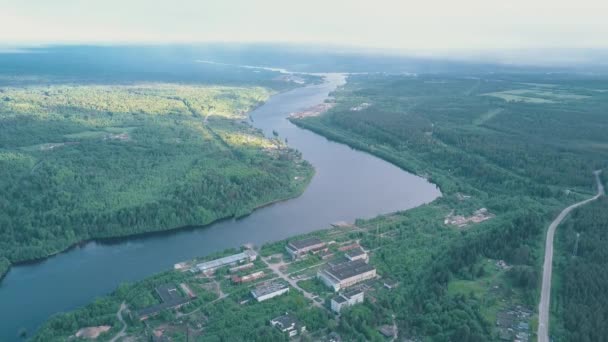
x=211 y=266
x=346 y=274
x=267 y=291
x=299 y=248
x=390 y=283
x=170 y=299
x=356 y=254
x=387 y=331
x=288 y=324
x=326 y=254
x=346 y=299
x=349 y=247
x=247 y=278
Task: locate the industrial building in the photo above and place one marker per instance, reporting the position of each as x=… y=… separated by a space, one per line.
x=211 y=266
x=346 y=299
x=267 y=291
x=346 y=274
x=299 y=248
x=356 y=254
x=288 y=324
x=170 y=299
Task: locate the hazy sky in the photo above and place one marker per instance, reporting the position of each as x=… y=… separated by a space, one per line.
x=399 y=24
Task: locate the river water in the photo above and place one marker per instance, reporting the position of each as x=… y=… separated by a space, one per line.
x=348 y=184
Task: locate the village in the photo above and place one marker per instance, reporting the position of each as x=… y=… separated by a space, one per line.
x=332 y=274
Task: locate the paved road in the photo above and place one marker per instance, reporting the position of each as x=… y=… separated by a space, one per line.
x=545 y=294
x=123 y=307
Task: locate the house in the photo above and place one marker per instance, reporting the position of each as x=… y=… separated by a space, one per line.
x=356 y=254
x=346 y=299
x=346 y=274
x=269 y=290
x=288 y=324
x=300 y=248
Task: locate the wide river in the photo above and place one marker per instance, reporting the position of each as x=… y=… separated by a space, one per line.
x=348 y=184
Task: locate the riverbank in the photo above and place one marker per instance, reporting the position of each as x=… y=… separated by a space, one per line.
x=335 y=193
x=4 y=267
x=162 y=174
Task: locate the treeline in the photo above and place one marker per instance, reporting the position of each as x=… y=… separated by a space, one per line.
x=446 y=127
x=515 y=157
x=580 y=303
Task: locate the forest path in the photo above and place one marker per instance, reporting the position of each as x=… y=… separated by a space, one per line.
x=545 y=294
x=121 y=333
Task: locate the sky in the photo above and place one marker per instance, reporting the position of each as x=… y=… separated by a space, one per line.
x=423 y=25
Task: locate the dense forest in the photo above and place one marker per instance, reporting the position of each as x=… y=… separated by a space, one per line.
x=81 y=162
x=580 y=304
x=521 y=145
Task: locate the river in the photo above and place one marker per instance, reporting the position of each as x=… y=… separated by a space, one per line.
x=348 y=184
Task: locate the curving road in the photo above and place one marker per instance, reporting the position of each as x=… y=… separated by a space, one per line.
x=545 y=294
x=121 y=333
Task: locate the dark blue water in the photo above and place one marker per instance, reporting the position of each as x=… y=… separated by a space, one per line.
x=348 y=184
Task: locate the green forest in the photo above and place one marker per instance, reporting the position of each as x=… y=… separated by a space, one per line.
x=522 y=146
x=580 y=305
x=82 y=162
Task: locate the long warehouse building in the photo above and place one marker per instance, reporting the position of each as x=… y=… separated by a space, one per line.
x=346 y=274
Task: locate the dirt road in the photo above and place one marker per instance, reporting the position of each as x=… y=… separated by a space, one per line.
x=276 y=269
x=545 y=294
x=120 y=334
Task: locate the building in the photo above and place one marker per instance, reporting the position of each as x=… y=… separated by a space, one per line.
x=346 y=274
x=299 y=248
x=356 y=254
x=267 y=291
x=346 y=299
x=211 y=266
x=247 y=278
x=390 y=283
x=170 y=298
x=288 y=324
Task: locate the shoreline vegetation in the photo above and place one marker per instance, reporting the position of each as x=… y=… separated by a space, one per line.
x=136 y=120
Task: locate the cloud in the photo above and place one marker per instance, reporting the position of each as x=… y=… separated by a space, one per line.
x=404 y=24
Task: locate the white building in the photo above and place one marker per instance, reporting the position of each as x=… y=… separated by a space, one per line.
x=267 y=291
x=346 y=299
x=288 y=324
x=210 y=266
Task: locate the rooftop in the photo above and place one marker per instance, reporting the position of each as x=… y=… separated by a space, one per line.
x=339 y=299
x=355 y=252
x=300 y=244
x=225 y=260
x=349 y=269
x=265 y=289
x=170 y=298
x=285 y=321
